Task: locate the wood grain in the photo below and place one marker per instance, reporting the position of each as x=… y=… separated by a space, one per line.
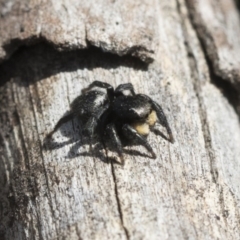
x=60 y=190
x=114 y=26
x=217 y=24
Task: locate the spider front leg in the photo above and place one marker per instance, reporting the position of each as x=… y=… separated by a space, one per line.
x=162 y=119
x=131 y=134
x=161 y=116
x=91 y=124
x=111 y=132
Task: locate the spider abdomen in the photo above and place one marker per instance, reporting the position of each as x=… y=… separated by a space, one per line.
x=89 y=102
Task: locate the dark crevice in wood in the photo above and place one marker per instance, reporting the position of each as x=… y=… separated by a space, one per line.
x=51 y=61
x=15 y=44
x=203 y=116
x=238 y=5
x=206 y=129
x=48 y=61
x=130 y=51
x=222 y=203
x=118 y=201
x=229 y=90
x=197 y=90
x=232 y=95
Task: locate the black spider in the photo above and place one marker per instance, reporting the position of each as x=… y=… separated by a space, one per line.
x=119 y=116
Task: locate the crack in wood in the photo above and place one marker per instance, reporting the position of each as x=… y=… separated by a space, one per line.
x=52 y=61
x=118 y=202
x=15 y=44
x=230 y=91
x=237 y=2
x=197 y=89
x=202 y=112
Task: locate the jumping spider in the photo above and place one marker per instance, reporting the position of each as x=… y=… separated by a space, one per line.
x=118 y=115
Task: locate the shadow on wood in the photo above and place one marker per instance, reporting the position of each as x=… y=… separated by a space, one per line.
x=33 y=63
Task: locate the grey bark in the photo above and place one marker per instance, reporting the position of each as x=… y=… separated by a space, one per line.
x=185 y=55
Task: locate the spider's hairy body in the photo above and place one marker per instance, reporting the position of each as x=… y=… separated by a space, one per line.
x=131 y=107
x=118 y=114
x=135 y=110
x=95 y=98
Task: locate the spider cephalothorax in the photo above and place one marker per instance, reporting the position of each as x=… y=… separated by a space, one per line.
x=118 y=116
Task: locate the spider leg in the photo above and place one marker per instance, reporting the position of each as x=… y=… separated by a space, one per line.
x=130 y=133
x=63 y=120
x=92 y=123
x=161 y=116
x=89 y=128
x=162 y=119
x=104 y=85
x=103 y=122
x=111 y=132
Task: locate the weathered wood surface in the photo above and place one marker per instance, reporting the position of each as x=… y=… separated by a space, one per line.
x=217 y=28
x=190 y=191
x=114 y=26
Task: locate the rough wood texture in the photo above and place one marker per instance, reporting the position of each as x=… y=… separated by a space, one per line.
x=217 y=24
x=60 y=190
x=77 y=24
